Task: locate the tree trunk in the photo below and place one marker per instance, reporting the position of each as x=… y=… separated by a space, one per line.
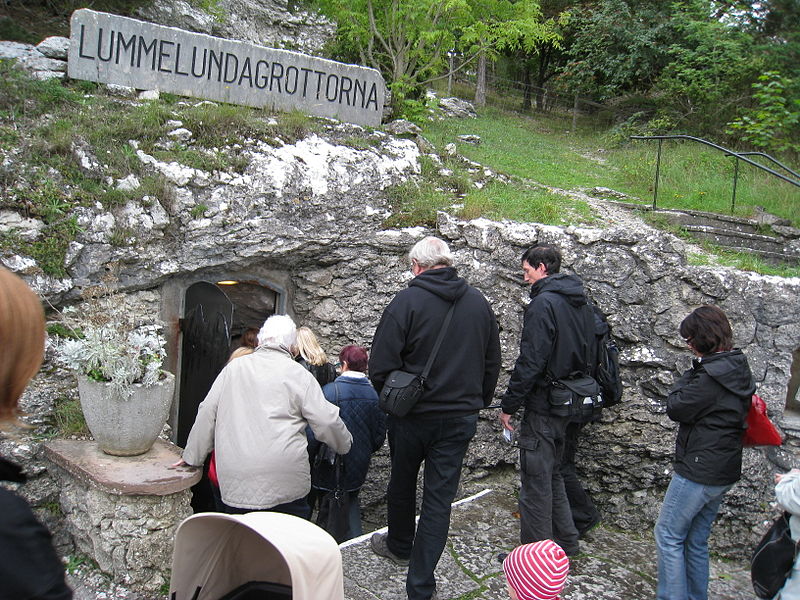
x=480 y=87
x=526 y=82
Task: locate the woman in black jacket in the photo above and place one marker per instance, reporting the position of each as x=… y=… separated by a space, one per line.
x=710 y=403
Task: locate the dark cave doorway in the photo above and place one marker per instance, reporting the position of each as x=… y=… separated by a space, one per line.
x=215 y=316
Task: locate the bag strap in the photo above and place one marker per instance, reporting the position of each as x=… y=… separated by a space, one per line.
x=426 y=371
x=590 y=338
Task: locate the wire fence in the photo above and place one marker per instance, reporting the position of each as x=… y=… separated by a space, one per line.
x=525 y=98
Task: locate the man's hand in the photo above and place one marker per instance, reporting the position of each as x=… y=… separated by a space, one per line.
x=505 y=420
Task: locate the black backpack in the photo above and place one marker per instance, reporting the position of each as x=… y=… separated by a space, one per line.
x=607 y=353
x=773 y=559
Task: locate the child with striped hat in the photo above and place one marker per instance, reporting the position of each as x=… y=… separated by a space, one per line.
x=536 y=571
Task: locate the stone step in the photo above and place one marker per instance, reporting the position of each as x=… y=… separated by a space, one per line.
x=612 y=564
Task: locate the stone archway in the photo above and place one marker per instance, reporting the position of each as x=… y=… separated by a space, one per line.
x=214 y=317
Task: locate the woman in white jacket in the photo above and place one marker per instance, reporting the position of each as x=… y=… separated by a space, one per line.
x=787 y=491
x=255 y=417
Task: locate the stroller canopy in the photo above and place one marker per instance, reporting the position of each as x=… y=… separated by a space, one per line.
x=218 y=552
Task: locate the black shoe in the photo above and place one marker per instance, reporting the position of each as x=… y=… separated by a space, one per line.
x=501 y=557
x=379 y=546
x=583 y=532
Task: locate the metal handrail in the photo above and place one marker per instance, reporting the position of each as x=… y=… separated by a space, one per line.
x=768 y=157
x=737 y=155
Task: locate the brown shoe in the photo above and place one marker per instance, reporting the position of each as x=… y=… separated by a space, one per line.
x=379 y=546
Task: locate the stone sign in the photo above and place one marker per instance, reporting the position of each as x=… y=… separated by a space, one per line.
x=112 y=49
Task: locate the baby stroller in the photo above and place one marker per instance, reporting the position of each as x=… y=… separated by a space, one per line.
x=255 y=556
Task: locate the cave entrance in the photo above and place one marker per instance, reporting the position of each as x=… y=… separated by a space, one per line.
x=215 y=316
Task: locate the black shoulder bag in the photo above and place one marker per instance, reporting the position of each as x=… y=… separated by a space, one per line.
x=578 y=395
x=402 y=390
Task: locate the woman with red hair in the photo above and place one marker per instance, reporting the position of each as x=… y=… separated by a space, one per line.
x=357 y=400
x=30 y=567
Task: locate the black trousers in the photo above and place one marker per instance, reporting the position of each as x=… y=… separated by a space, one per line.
x=441 y=443
x=584 y=512
x=543 y=505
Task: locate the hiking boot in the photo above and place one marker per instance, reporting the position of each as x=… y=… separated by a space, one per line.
x=379 y=546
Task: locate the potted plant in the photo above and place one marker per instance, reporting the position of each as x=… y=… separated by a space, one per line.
x=125 y=395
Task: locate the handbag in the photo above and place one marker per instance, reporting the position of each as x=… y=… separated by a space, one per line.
x=575 y=396
x=334 y=506
x=773 y=558
x=760 y=430
x=402 y=390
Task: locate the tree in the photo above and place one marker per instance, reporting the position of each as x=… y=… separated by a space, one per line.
x=477 y=38
x=615 y=48
x=711 y=66
x=528 y=35
x=773 y=123
x=406 y=40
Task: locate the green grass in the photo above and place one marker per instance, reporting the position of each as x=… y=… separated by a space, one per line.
x=543 y=149
x=68 y=418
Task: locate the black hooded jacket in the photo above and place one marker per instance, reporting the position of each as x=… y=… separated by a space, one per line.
x=554 y=342
x=711 y=401
x=464 y=374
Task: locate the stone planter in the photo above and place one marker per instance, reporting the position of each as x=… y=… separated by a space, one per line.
x=125 y=427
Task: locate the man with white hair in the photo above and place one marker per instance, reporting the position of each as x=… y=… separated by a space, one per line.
x=255 y=417
x=439 y=427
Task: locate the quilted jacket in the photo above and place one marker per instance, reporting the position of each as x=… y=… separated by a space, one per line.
x=255 y=416
x=358 y=406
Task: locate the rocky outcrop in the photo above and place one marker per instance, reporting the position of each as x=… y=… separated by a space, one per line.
x=271 y=23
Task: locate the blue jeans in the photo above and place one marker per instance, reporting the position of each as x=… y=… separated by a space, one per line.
x=682 y=531
x=441 y=443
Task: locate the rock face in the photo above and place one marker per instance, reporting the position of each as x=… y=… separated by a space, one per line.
x=271 y=23
x=309 y=217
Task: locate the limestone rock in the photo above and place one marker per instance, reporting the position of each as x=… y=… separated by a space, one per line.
x=271 y=23
x=402 y=127
x=457 y=108
x=26 y=228
x=54 y=47
x=470 y=139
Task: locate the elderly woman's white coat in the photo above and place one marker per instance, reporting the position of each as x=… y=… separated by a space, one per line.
x=255 y=416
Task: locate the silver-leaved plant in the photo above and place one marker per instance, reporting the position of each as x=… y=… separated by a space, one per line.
x=110 y=344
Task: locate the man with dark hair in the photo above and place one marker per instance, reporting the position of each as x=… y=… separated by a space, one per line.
x=553 y=346
x=439 y=427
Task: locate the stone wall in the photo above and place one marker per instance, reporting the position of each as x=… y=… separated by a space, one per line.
x=130 y=537
x=640 y=279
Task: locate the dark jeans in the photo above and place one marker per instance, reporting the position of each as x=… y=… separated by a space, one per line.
x=543 y=506
x=441 y=443
x=298 y=508
x=584 y=512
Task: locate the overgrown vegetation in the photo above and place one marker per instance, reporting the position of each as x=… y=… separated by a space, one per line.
x=69 y=143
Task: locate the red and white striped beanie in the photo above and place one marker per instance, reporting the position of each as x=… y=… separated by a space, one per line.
x=537 y=571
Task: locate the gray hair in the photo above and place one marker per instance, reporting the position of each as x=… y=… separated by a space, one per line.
x=431 y=252
x=278 y=329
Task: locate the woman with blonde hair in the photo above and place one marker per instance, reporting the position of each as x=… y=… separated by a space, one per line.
x=30 y=567
x=311 y=355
